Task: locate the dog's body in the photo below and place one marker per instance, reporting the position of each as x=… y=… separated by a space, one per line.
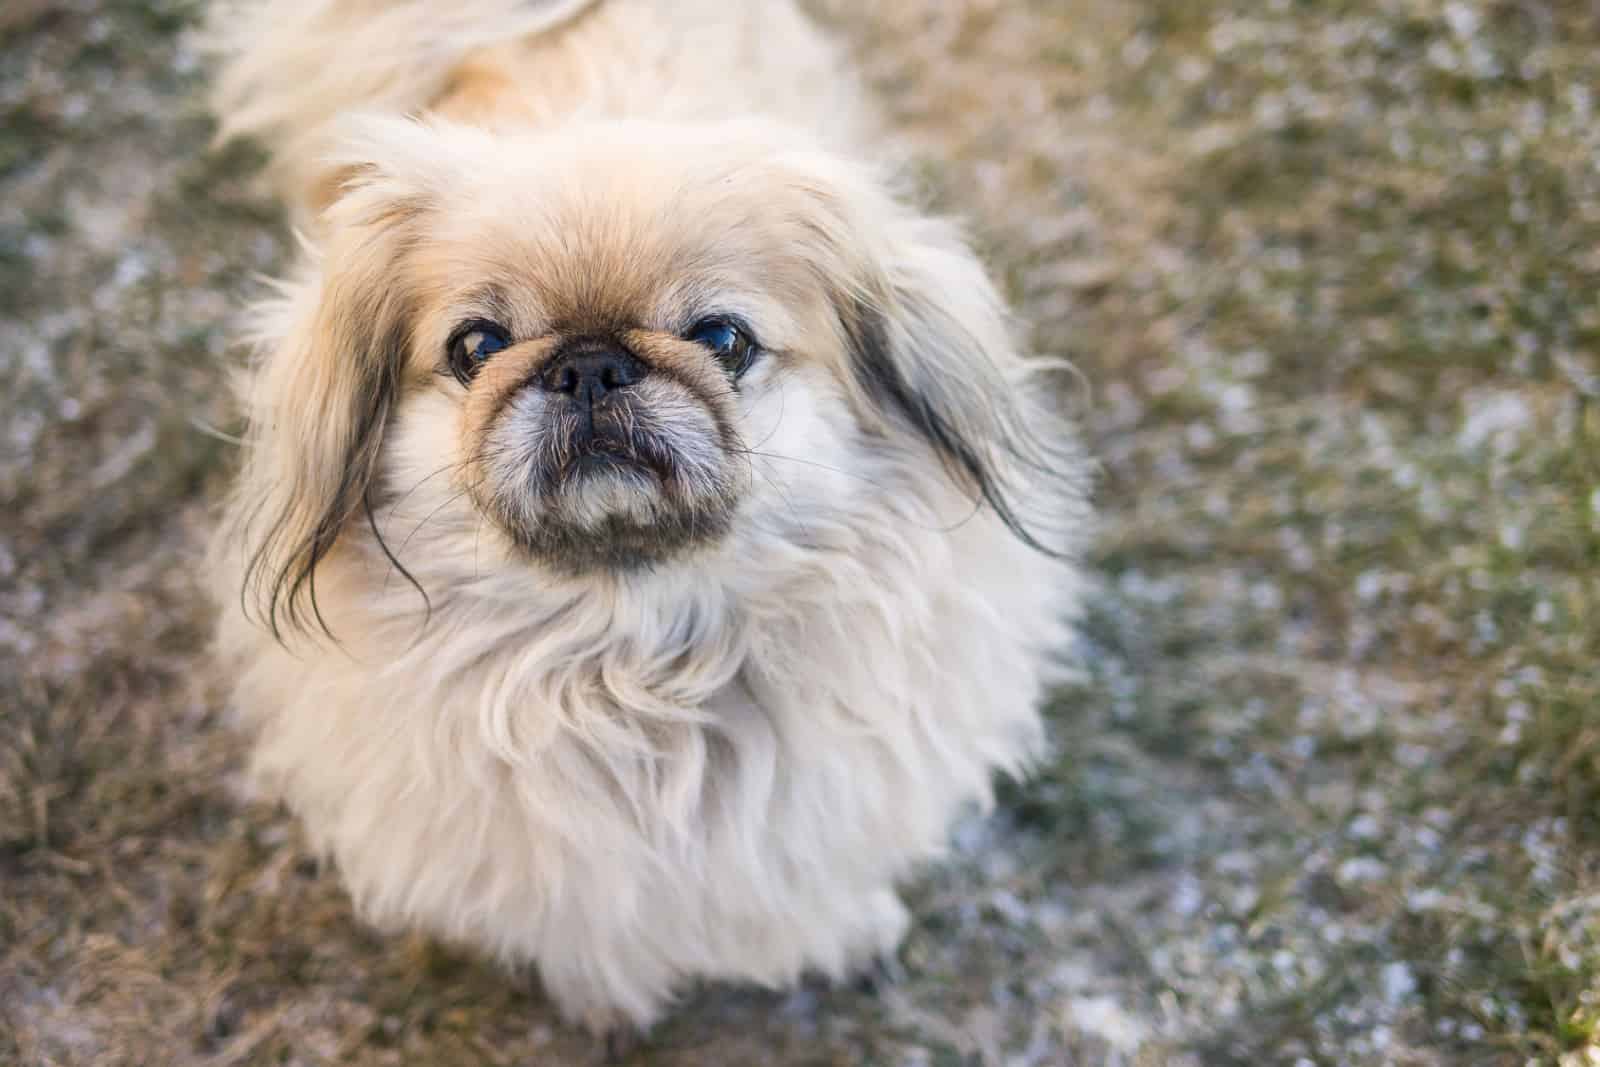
x=692 y=708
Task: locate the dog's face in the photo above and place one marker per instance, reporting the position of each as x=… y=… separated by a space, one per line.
x=605 y=326
x=618 y=349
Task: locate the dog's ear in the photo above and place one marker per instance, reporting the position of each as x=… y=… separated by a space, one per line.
x=930 y=349
x=330 y=358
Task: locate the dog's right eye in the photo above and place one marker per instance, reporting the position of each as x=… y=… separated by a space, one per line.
x=471 y=346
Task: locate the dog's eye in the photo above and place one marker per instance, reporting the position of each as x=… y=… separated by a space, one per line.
x=728 y=342
x=472 y=344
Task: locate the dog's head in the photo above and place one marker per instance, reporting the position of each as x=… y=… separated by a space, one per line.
x=614 y=348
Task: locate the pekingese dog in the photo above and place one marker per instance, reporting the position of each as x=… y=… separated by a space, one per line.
x=649 y=537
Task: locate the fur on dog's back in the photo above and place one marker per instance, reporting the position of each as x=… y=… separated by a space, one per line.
x=291 y=70
x=291 y=66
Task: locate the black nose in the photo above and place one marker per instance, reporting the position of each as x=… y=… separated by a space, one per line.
x=587 y=374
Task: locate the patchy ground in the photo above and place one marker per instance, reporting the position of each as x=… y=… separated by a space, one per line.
x=1331 y=792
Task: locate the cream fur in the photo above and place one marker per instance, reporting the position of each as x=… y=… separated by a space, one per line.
x=718 y=767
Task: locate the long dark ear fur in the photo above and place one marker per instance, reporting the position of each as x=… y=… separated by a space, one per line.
x=328 y=377
x=931 y=349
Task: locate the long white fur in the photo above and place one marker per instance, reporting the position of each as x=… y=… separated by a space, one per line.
x=719 y=768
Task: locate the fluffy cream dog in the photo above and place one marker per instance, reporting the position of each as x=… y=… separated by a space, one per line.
x=649 y=538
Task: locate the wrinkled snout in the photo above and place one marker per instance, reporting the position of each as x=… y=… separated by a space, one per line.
x=598 y=455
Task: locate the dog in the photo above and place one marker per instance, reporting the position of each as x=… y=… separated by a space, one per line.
x=649 y=537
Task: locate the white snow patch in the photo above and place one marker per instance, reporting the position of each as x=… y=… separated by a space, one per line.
x=1398 y=983
x=1360 y=869
x=1104 y=1018
x=1495 y=417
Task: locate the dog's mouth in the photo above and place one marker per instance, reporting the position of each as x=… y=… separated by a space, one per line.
x=610 y=441
x=628 y=481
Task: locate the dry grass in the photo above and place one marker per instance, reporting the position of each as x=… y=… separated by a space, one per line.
x=1332 y=791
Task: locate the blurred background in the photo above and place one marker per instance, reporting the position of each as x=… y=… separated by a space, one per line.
x=1329 y=791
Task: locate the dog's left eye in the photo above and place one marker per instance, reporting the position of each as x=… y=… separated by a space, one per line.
x=472 y=344
x=727 y=341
